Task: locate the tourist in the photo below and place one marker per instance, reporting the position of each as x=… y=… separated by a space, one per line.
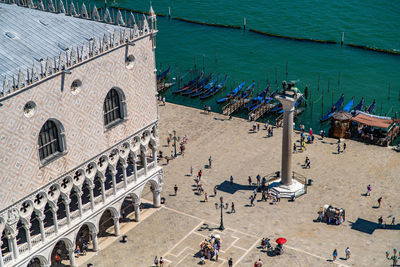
x=255 y=192
x=254 y=126
x=205 y=197
x=191 y=171
x=294 y=148
x=176 y=190
x=215 y=190
x=172 y=154
x=230 y=262
x=393 y=219
x=184 y=139
x=311 y=132
x=161 y=262
x=263 y=182
x=160 y=155
x=264 y=196
x=338 y=148
x=249 y=180
x=302 y=128
x=379 y=202
x=209 y=162
x=266 y=125
x=202 y=260
x=251 y=200
x=231 y=180
x=199 y=174
x=258 y=263
x=167 y=158
x=272 y=131
x=258 y=179
x=308 y=163
x=278 y=197
x=163 y=100
x=156 y=261
x=344 y=147
x=233 y=208
x=168 y=140
x=205 y=109
x=334 y=254
x=369 y=189
x=347 y=251
x=258 y=127
x=380 y=220
x=57 y=258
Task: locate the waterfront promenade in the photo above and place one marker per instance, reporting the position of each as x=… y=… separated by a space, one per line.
x=175 y=230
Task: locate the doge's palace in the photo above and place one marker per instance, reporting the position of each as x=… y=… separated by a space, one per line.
x=78 y=126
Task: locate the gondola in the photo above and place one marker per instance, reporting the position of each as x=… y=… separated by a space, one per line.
x=360 y=105
x=163 y=74
x=206 y=88
x=258 y=98
x=216 y=89
x=233 y=93
x=198 y=86
x=349 y=105
x=266 y=100
x=372 y=107
x=334 y=108
x=189 y=85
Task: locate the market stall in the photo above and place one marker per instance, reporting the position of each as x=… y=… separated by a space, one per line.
x=331 y=215
x=210 y=247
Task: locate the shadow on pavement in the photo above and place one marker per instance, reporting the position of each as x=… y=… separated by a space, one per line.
x=369 y=227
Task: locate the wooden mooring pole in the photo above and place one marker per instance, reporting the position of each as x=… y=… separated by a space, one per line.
x=244 y=23
x=195 y=62
x=342 y=41
x=286 y=69
x=319 y=76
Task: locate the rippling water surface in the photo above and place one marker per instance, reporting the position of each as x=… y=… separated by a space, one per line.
x=247 y=56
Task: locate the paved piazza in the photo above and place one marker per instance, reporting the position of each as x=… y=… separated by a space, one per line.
x=175 y=230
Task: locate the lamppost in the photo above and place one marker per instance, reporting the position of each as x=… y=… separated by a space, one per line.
x=175 y=139
x=393 y=258
x=221 y=206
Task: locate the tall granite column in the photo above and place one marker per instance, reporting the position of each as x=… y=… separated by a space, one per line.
x=288 y=108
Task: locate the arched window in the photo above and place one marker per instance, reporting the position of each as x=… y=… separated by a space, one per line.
x=50 y=140
x=112 y=107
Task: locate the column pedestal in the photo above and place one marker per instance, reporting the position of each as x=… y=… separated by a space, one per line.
x=137 y=212
x=157 y=198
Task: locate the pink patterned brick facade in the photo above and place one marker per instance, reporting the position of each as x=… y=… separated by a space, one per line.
x=81 y=115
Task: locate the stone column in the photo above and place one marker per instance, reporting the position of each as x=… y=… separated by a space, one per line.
x=1 y=255
x=55 y=221
x=95 y=241
x=137 y=211
x=13 y=240
x=103 y=190
x=91 y=188
x=287 y=144
x=42 y=230
x=67 y=201
x=72 y=257
x=144 y=160
x=154 y=157
x=135 y=168
x=156 y=198
x=114 y=181
x=79 y=196
x=28 y=235
x=124 y=166
x=116 y=225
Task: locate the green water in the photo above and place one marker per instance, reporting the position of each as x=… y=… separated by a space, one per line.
x=247 y=56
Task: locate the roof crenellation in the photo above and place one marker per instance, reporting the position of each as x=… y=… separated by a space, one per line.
x=40 y=40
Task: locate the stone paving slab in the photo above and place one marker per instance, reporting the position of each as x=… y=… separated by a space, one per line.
x=161 y=231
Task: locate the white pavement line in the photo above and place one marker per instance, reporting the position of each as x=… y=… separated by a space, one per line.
x=239 y=248
x=188 y=254
x=233 y=243
x=308 y=253
x=251 y=235
x=247 y=251
x=180 y=241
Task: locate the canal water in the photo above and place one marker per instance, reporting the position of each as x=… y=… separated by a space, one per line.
x=244 y=55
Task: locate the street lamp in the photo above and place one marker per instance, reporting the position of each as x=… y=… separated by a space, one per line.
x=393 y=258
x=221 y=206
x=175 y=139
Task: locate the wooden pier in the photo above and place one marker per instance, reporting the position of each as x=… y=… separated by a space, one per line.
x=260 y=111
x=233 y=106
